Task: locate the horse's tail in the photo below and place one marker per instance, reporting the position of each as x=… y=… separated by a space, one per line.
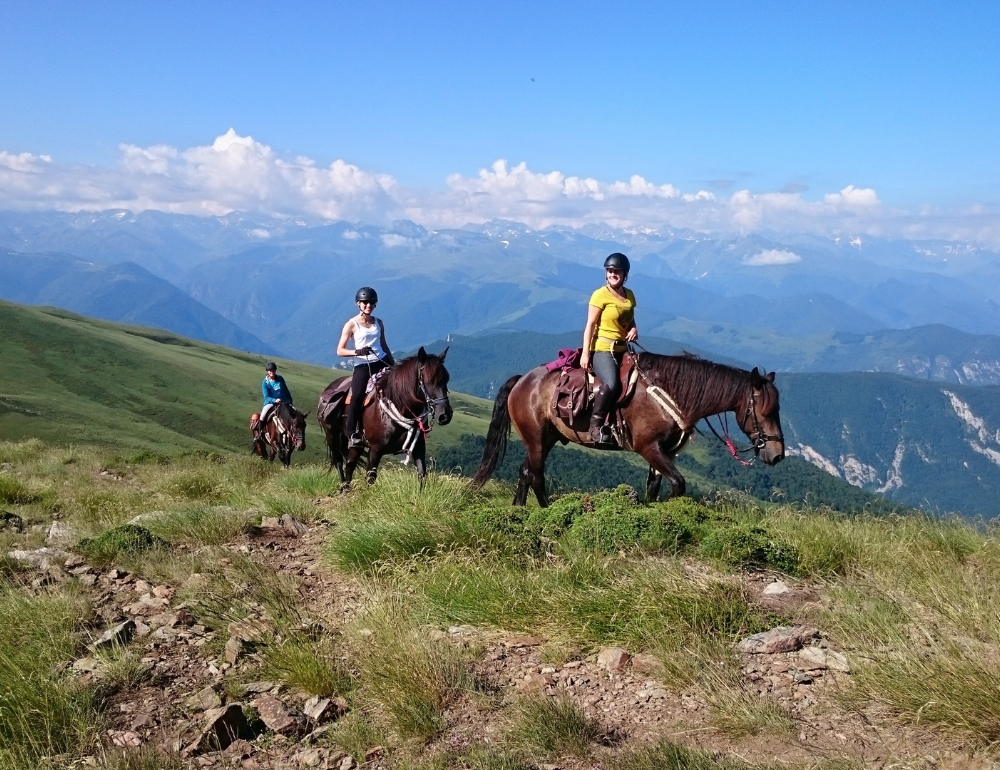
x=496 y=436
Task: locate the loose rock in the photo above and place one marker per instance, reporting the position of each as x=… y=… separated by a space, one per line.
x=780 y=639
x=614 y=659
x=222 y=727
x=293 y=526
x=204 y=700
x=277 y=716
x=118 y=636
x=777 y=588
x=817 y=657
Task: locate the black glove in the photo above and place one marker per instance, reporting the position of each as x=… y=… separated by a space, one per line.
x=365 y=351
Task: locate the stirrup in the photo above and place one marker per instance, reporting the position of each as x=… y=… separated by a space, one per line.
x=602 y=435
x=355 y=440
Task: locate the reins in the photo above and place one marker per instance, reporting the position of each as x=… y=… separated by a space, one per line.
x=758 y=437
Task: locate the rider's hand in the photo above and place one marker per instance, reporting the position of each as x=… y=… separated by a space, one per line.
x=585 y=360
x=632 y=335
x=365 y=351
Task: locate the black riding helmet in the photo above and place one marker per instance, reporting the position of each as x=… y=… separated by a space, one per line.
x=617 y=261
x=366 y=294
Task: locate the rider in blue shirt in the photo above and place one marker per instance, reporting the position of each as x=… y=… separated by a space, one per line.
x=275 y=391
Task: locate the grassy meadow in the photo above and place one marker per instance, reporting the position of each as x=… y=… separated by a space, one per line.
x=912 y=602
x=134 y=440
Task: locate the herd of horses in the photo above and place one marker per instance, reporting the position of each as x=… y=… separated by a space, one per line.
x=669 y=396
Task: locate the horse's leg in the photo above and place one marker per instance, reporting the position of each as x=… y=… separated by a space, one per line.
x=536 y=464
x=523 y=482
x=374 y=458
x=419 y=460
x=653 y=479
x=661 y=462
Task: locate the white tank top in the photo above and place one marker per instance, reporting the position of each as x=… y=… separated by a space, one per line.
x=368 y=337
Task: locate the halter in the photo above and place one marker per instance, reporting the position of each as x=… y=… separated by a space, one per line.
x=414 y=426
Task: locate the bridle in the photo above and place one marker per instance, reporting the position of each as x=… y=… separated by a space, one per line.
x=428 y=401
x=758 y=438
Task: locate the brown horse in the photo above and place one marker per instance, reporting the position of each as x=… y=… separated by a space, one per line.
x=406 y=402
x=285 y=432
x=672 y=394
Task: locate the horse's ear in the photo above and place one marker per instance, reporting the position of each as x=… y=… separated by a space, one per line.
x=444 y=353
x=755 y=377
x=421 y=354
x=770 y=377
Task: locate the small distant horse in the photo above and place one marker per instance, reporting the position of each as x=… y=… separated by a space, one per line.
x=671 y=395
x=396 y=418
x=285 y=432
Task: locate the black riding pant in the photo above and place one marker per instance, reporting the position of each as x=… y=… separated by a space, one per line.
x=359 y=383
x=606 y=366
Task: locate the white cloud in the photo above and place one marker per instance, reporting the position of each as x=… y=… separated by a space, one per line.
x=238 y=173
x=773 y=257
x=855 y=197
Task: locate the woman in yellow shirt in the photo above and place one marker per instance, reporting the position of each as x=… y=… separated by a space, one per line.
x=610 y=324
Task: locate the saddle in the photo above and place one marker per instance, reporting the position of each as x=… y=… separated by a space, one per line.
x=338 y=395
x=575 y=389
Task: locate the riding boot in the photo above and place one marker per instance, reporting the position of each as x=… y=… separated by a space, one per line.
x=599 y=432
x=354 y=437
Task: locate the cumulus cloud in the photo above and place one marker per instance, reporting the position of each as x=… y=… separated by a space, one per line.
x=239 y=173
x=773 y=257
x=233 y=173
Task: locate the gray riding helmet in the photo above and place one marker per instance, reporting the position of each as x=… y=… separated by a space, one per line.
x=366 y=294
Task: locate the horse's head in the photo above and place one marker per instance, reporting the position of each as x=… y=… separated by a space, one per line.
x=760 y=420
x=433 y=379
x=299 y=430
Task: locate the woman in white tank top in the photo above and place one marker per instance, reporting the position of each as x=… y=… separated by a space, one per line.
x=370 y=353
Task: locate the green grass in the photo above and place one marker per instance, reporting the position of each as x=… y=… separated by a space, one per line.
x=314 y=666
x=41 y=713
x=553 y=726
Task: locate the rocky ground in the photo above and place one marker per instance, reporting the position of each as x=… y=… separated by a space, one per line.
x=198 y=693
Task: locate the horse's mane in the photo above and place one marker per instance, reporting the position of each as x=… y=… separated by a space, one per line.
x=401 y=385
x=698 y=385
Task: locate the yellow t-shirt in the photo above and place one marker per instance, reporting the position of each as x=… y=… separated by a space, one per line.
x=615 y=321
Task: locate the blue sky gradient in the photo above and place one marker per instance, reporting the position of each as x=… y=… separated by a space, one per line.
x=901 y=97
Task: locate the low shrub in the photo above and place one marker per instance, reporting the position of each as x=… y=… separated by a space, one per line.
x=128 y=539
x=750 y=546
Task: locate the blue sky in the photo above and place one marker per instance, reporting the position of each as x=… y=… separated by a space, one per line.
x=809 y=98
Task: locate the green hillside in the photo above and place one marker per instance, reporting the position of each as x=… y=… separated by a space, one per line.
x=76 y=380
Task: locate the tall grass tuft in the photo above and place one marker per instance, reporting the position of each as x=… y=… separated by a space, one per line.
x=314 y=666
x=553 y=725
x=41 y=714
x=203 y=525
x=414 y=676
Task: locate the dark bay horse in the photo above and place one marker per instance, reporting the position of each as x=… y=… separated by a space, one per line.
x=285 y=432
x=672 y=394
x=406 y=402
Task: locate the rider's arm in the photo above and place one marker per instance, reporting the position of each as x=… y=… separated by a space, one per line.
x=268 y=398
x=288 y=393
x=633 y=331
x=342 y=349
x=593 y=317
x=389 y=359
